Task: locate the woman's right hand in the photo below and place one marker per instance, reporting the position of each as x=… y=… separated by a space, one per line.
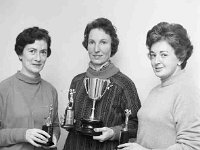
x=36 y=136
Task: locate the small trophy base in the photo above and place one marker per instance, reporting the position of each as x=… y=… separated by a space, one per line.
x=67 y=127
x=88 y=126
x=49 y=130
x=124 y=137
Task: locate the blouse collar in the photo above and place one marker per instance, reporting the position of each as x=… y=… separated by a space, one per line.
x=27 y=79
x=102 y=66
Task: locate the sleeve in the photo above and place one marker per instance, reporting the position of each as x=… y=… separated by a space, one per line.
x=130 y=101
x=186 y=113
x=56 y=123
x=9 y=136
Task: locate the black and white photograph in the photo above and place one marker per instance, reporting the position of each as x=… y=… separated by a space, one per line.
x=100 y=74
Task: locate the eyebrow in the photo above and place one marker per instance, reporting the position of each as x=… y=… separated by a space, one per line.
x=31 y=48
x=159 y=52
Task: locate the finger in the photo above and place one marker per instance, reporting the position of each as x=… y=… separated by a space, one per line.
x=125 y=145
x=97 y=137
x=41 y=137
x=49 y=147
x=99 y=129
x=43 y=133
x=121 y=145
x=38 y=140
x=34 y=143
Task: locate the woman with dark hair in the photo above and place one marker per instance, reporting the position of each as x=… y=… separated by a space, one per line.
x=26 y=100
x=101 y=42
x=170 y=116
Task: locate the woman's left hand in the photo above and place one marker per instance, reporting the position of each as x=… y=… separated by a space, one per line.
x=131 y=146
x=107 y=133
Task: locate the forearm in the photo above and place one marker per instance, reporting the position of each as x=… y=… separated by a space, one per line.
x=178 y=146
x=12 y=136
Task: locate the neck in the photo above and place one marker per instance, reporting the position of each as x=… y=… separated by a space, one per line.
x=99 y=67
x=31 y=75
x=176 y=72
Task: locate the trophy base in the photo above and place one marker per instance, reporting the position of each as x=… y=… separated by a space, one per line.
x=124 y=137
x=49 y=130
x=49 y=143
x=67 y=127
x=88 y=126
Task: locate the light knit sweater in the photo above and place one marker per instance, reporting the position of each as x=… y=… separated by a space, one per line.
x=24 y=104
x=170 y=116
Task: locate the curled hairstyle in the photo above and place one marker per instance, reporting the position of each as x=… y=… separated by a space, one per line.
x=29 y=36
x=107 y=27
x=176 y=35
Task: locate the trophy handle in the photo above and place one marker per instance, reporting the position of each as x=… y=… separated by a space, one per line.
x=86 y=82
x=107 y=86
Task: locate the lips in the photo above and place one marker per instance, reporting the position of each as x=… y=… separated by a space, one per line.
x=157 y=69
x=37 y=65
x=97 y=56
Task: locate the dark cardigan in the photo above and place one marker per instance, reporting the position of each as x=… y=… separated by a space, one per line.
x=110 y=109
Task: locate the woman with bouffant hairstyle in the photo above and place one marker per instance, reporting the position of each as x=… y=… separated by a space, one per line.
x=169 y=119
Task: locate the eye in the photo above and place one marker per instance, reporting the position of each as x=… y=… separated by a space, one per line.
x=163 y=55
x=90 y=42
x=44 y=52
x=151 y=56
x=32 y=51
x=103 y=42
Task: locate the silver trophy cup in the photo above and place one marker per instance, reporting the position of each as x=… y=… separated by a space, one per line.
x=95 y=89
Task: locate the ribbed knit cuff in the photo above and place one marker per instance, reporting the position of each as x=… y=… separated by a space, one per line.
x=19 y=135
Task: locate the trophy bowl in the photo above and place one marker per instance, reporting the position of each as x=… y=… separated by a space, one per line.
x=95 y=89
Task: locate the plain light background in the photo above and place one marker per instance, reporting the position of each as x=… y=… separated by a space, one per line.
x=66 y=20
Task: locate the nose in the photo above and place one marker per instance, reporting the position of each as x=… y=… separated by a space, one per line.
x=157 y=59
x=96 y=49
x=37 y=57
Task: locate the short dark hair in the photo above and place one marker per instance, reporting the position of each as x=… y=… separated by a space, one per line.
x=29 y=36
x=176 y=35
x=107 y=26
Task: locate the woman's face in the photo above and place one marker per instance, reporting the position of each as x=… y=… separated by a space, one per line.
x=99 y=46
x=33 y=58
x=163 y=60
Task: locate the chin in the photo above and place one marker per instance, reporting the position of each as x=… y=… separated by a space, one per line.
x=36 y=71
x=97 y=63
x=158 y=74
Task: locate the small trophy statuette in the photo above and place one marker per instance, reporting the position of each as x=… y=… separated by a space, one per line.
x=69 y=112
x=48 y=127
x=124 y=134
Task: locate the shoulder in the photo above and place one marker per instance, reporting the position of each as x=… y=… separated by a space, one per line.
x=47 y=85
x=186 y=86
x=122 y=80
x=79 y=77
x=186 y=93
x=6 y=83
